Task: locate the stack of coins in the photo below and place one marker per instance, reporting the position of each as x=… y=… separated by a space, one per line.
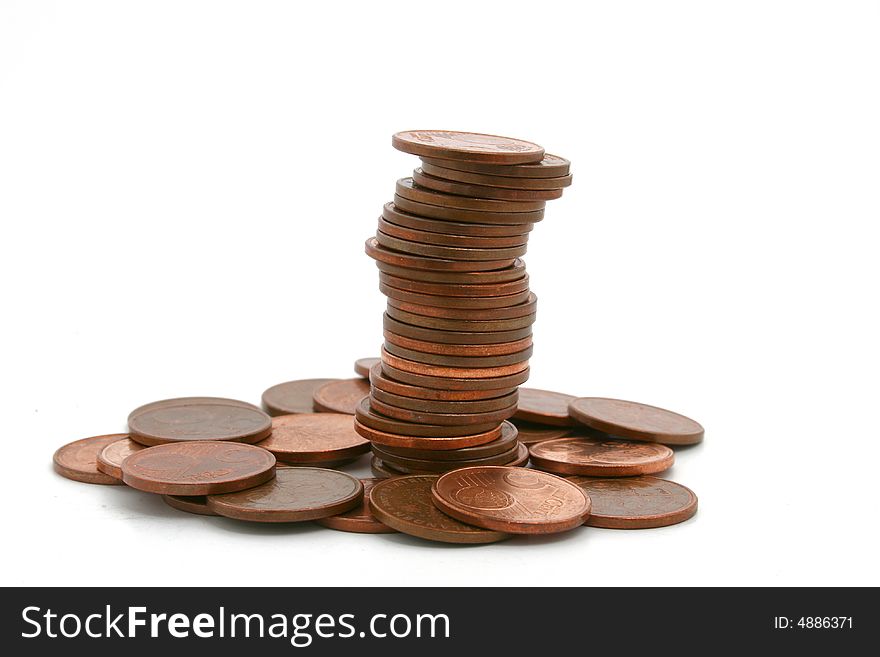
x=459 y=311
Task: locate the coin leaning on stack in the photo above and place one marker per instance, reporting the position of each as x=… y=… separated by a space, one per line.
x=457 y=326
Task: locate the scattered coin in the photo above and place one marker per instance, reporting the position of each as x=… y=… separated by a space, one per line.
x=362 y=366
x=292 y=397
x=636 y=421
x=637 y=502
x=544 y=407
x=511 y=500
x=79 y=460
x=198 y=468
x=535 y=433
x=294 y=495
x=576 y=455
x=468 y=146
x=404 y=503
x=341 y=396
x=552 y=166
x=360 y=519
x=197 y=504
x=111 y=457
x=314 y=438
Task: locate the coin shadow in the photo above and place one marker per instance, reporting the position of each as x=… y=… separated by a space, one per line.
x=147 y=504
x=263 y=528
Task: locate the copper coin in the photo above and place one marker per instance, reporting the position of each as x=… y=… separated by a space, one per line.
x=552 y=166
x=468 y=146
x=438 y=406
x=382 y=471
x=505 y=256
x=79 y=460
x=515 y=272
x=368 y=416
x=496 y=349
x=505 y=443
x=443 y=336
x=426 y=442
x=292 y=397
x=341 y=396
x=197 y=504
x=441 y=419
x=379 y=381
x=637 y=502
x=111 y=457
x=482 y=191
x=507 y=182
x=446 y=383
x=519 y=453
x=455 y=290
x=198 y=468
x=544 y=407
x=460 y=325
x=636 y=421
x=381 y=253
x=198 y=418
x=407 y=188
x=314 y=438
x=450 y=238
x=444 y=371
x=458 y=361
x=513 y=221
x=525 y=307
x=405 y=504
x=362 y=366
x=294 y=495
x=513 y=500
x=360 y=519
x=535 y=433
x=401 y=217
x=576 y=455
x=440 y=304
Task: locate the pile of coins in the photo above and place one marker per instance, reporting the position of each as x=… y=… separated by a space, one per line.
x=457 y=326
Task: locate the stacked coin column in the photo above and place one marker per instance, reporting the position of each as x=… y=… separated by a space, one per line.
x=457 y=326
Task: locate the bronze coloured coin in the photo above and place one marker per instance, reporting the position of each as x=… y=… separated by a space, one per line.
x=482 y=191
x=440 y=304
x=368 y=416
x=111 y=457
x=442 y=419
x=447 y=372
x=198 y=418
x=552 y=166
x=381 y=253
x=292 y=396
x=544 y=407
x=294 y=495
x=341 y=396
x=197 y=504
x=438 y=406
x=79 y=460
x=495 y=181
x=358 y=520
x=404 y=503
x=496 y=349
x=468 y=146
x=380 y=382
x=426 y=442
x=407 y=188
x=459 y=325
x=458 y=361
x=362 y=366
x=455 y=290
x=382 y=471
x=524 y=308
x=535 y=433
x=600 y=458
x=513 y=273
x=314 y=438
x=505 y=443
x=637 y=502
x=636 y=421
x=451 y=239
x=469 y=254
x=405 y=219
x=514 y=221
x=512 y=500
x=198 y=468
x=444 y=336
x=446 y=383
x=518 y=454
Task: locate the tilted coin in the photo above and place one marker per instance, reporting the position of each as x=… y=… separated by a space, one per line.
x=441 y=303
x=79 y=460
x=400 y=217
x=544 y=407
x=197 y=504
x=517 y=454
x=362 y=366
x=450 y=238
x=111 y=457
x=490 y=180
x=314 y=438
x=407 y=188
x=468 y=146
x=377 y=251
x=294 y=495
x=368 y=416
x=514 y=221
x=292 y=396
x=513 y=273
x=526 y=307
x=504 y=255
x=442 y=419
x=467 y=362
x=442 y=406
x=459 y=325
x=340 y=396
x=637 y=502
x=446 y=383
x=576 y=455
x=404 y=503
x=445 y=336
x=455 y=290
x=453 y=372
x=378 y=380
x=494 y=349
x=506 y=442
x=535 y=433
x=552 y=166
x=428 y=181
x=360 y=519
x=636 y=421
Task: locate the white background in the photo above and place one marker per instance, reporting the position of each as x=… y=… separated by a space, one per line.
x=185 y=188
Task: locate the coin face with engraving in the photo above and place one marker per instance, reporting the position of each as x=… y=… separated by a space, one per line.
x=79 y=460
x=637 y=502
x=360 y=519
x=198 y=418
x=468 y=146
x=111 y=457
x=577 y=455
x=314 y=438
x=198 y=468
x=341 y=396
x=544 y=407
x=512 y=500
x=294 y=495
x=292 y=396
x=404 y=503
x=636 y=421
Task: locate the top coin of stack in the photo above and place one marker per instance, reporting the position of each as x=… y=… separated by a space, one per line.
x=457 y=326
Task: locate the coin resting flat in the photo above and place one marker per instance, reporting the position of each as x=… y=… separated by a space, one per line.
x=198 y=418
x=360 y=519
x=600 y=458
x=292 y=396
x=341 y=396
x=637 y=502
x=314 y=438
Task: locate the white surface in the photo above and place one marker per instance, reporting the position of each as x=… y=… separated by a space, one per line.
x=185 y=188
